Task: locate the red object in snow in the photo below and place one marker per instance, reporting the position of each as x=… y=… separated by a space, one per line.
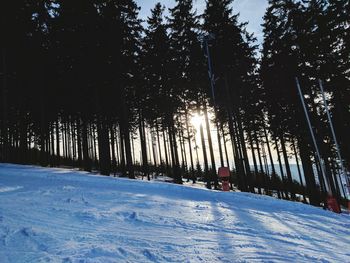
x=224 y=172
x=224 y=175
x=225 y=186
x=333 y=205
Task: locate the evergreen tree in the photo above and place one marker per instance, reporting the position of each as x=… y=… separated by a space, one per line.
x=234 y=64
x=184 y=48
x=154 y=91
x=339 y=84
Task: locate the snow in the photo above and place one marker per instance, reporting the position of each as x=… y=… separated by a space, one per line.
x=58 y=215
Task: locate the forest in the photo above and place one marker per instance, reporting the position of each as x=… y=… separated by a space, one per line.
x=89 y=84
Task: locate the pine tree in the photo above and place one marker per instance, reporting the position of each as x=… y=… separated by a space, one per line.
x=186 y=59
x=233 y=52
x=339 y=85
x=155 y=61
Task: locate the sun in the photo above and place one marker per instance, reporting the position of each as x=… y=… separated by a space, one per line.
x=197 y=120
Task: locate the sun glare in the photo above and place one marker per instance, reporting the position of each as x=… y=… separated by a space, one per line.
x=197 y=120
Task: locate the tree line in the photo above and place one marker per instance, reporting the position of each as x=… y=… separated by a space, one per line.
x=89 y=84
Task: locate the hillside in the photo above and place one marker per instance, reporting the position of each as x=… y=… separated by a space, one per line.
x=58 y=215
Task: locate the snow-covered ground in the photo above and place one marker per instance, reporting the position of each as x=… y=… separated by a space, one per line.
x=57 y=215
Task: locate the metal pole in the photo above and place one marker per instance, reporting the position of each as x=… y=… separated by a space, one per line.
x=210 y=71
x=212 y=84
x=334 y=137
x=311 y=132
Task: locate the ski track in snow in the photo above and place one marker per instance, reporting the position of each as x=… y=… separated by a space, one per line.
x=58 y=215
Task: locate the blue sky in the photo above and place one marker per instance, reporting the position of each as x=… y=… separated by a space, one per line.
x=251 y=11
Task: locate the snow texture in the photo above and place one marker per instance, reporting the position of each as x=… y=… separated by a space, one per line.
x=58 y=215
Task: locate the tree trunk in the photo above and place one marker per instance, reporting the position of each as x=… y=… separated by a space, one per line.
x=43 y=134
x=213 y=173
x=126 y=136
x=166 y=154
x=4 y=128
x=23 y=140
x=240 y=133
x=313 y=193
x=159 y=148
x=298 y=167
x=174 y=154
x=86 y=158
x=205 y=158
x=256 y=171
x=114 y=159
x=237 y=157
x=225 y=146
x=286 y=163
x=58 y=151
x=261 y=172
x=122 y=152
x=52 y=145
x=274 y=174
x=79 y=143
x=190 y=148
x=281 y=169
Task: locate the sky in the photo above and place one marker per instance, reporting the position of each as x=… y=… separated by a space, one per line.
x=251 y=11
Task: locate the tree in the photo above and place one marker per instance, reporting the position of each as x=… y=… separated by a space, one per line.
x=233 y=52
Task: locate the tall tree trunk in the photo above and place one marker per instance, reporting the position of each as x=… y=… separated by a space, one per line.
x=86 y=157
x=159 y=147
x=299 y=171
x=166 y=154
x=219 y=144
x=184 y=156
x=4 y=128
x=237 y=156
x=117 y=147
x=174 y=154
x=225 y=146
x=332 y=182
x=52 y=145
x=23 y=133
x=286 y=163
x=153 y=145
x=313 y=192
x=73 y=136
x=281 y=168
x=69 y=146
x=190 y=148
x=211 y=151
x=66 y=155
x=261 y=172
x=58 y=151
x=122 y=152
x=205 y=158
x=256 y=171
x=266 y=176
x=125 y=129
x=79 y=143
x=114 y=159
x=241 y=175
x=274 y=174
x=177 y=170
x=43 y=134
x=128 y=154
x=132 y=148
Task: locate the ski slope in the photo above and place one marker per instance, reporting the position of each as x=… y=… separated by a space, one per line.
x=58 y=215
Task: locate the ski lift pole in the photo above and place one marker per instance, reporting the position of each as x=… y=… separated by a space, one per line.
x=210 y=67
x=212 y=83
x=312 y=132
x=335 y=139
